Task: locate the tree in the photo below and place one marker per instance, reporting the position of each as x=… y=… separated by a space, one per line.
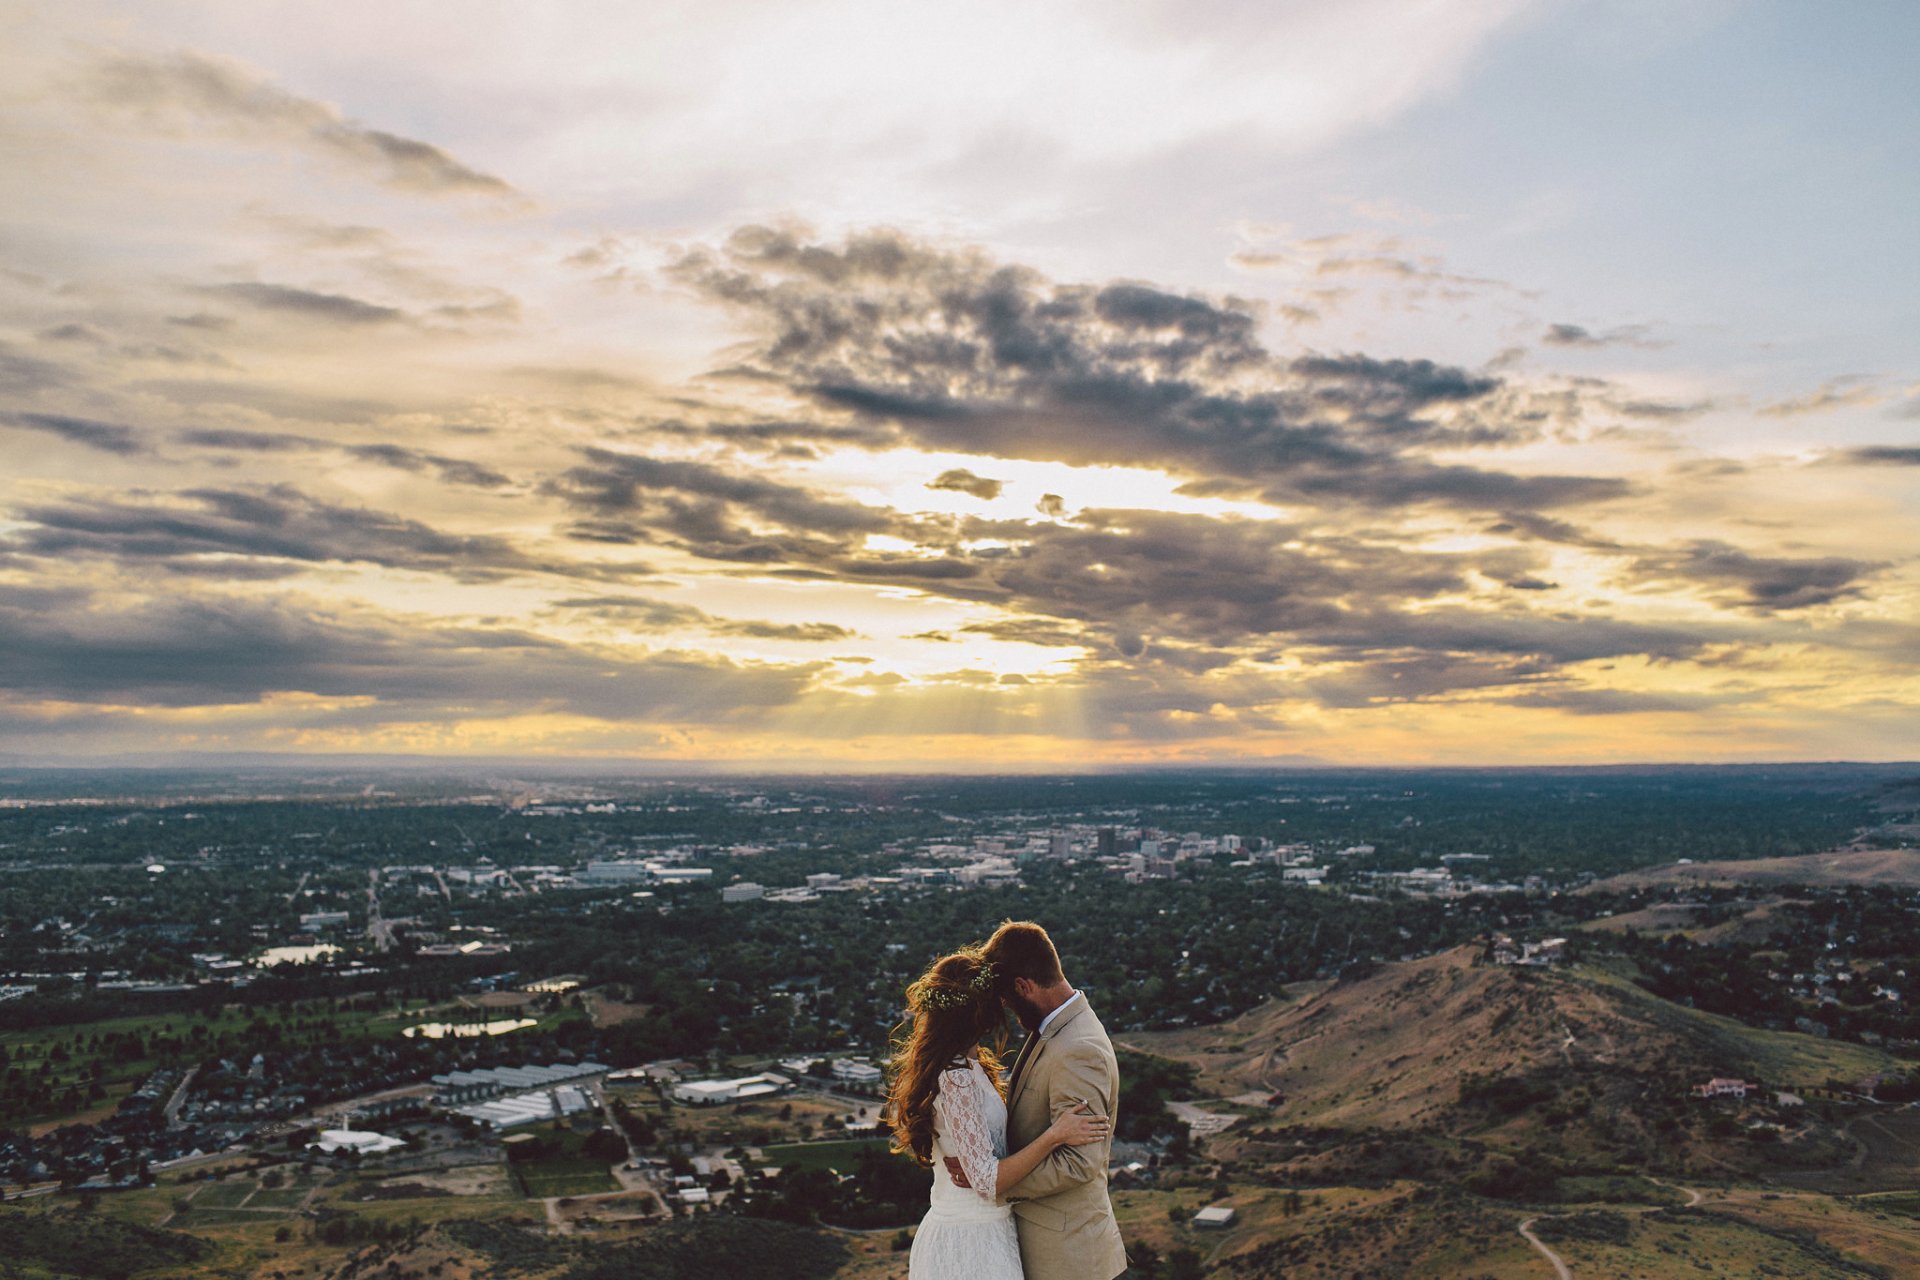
x=1184 y=1264
x=605 y=1146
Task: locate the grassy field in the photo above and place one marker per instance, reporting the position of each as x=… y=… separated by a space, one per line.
x=788 y=1119
x=567 y=1171
x=842 y=1156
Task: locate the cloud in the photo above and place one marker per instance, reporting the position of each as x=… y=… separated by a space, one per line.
x=960 y=480
x=708 y=511
x=210 y=650
x=452 y=470
x=188 y=91
x=644 y=613
x=1760 y=584
x=1573 y=335
x=199 y=530
x=22 y=375
x=1613 y=702
x=459 y=471
x=72 y=331
x=246 y=441
x=1388 y=260
x=949 y=350
x=305 y=303
x=107 y=437
x=1851 y=391
x=1878 y=455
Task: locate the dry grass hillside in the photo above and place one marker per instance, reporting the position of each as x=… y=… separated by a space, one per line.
x=1446 y=1047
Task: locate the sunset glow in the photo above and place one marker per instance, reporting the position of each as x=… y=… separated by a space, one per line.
x=984 y=387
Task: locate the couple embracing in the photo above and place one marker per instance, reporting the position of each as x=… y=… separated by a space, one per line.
x=1019 y=1164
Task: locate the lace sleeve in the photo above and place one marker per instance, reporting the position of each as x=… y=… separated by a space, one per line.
x=967 y=1132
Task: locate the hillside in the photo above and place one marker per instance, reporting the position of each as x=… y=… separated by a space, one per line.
x=1449 y=1048
x=1900 y=867
x=692 y=1249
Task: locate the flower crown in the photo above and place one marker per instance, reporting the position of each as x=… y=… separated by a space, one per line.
x=954 y=998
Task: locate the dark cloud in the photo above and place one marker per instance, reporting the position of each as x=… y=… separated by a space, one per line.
x=1170 y=589
x=644 y=613
x=334 y=308
x=1761 y=584
x=1040 y=631
x=709 y=511
x=202 y=320
x=20 y=375
x=1879 y=455
x=951 y=351
x=1612 y=702
x=72 y=331
x=193 y=650
x=190 y=92
x=960 y=480
x=1417 y=677
x=1532 y=525
x=1667 y=410
x=246 y=441
x=451 y=470
x=107 y=437
x=199 y=530
x=1573 y=335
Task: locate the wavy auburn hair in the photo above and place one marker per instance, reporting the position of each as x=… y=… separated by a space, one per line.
x=951 y=1008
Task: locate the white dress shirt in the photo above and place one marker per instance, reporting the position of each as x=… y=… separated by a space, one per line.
x=1048 y=1020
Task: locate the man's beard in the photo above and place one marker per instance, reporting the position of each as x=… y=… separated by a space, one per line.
x=1025 y=1010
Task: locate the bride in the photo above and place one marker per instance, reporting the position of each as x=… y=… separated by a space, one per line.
x=947 y=1113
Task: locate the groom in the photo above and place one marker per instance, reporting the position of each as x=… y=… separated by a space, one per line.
x=1066 y=1225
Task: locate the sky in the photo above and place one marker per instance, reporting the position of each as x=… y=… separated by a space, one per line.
x=863 y=386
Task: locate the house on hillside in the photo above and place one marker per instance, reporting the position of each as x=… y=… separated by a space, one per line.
x=1725 y=1087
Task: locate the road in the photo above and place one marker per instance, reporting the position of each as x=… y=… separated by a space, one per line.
x=178 y=1099
x=1559 y=1267
x=379 y=929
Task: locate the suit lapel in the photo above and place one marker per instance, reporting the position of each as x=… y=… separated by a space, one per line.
x=1020 y=1060
x=1036 y=1045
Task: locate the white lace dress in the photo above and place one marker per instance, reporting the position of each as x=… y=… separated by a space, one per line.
x=968 y=1234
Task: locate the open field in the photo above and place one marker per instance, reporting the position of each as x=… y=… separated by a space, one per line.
x=566 y=1170
x=793 y=1117
x=841 y=1156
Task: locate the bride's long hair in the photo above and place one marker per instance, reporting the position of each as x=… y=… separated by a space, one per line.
x=951 y=1008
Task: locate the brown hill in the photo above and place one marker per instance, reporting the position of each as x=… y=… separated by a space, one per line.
x=1449 y=1047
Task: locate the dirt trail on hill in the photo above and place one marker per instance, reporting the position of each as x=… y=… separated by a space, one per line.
x=1559 y=1266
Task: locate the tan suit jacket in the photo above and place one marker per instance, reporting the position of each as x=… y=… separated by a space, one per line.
x=1065 y=1220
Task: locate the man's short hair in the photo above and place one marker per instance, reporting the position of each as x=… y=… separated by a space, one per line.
x=1022 y=949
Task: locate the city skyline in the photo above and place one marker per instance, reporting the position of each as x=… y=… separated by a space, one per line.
x=835 y=386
